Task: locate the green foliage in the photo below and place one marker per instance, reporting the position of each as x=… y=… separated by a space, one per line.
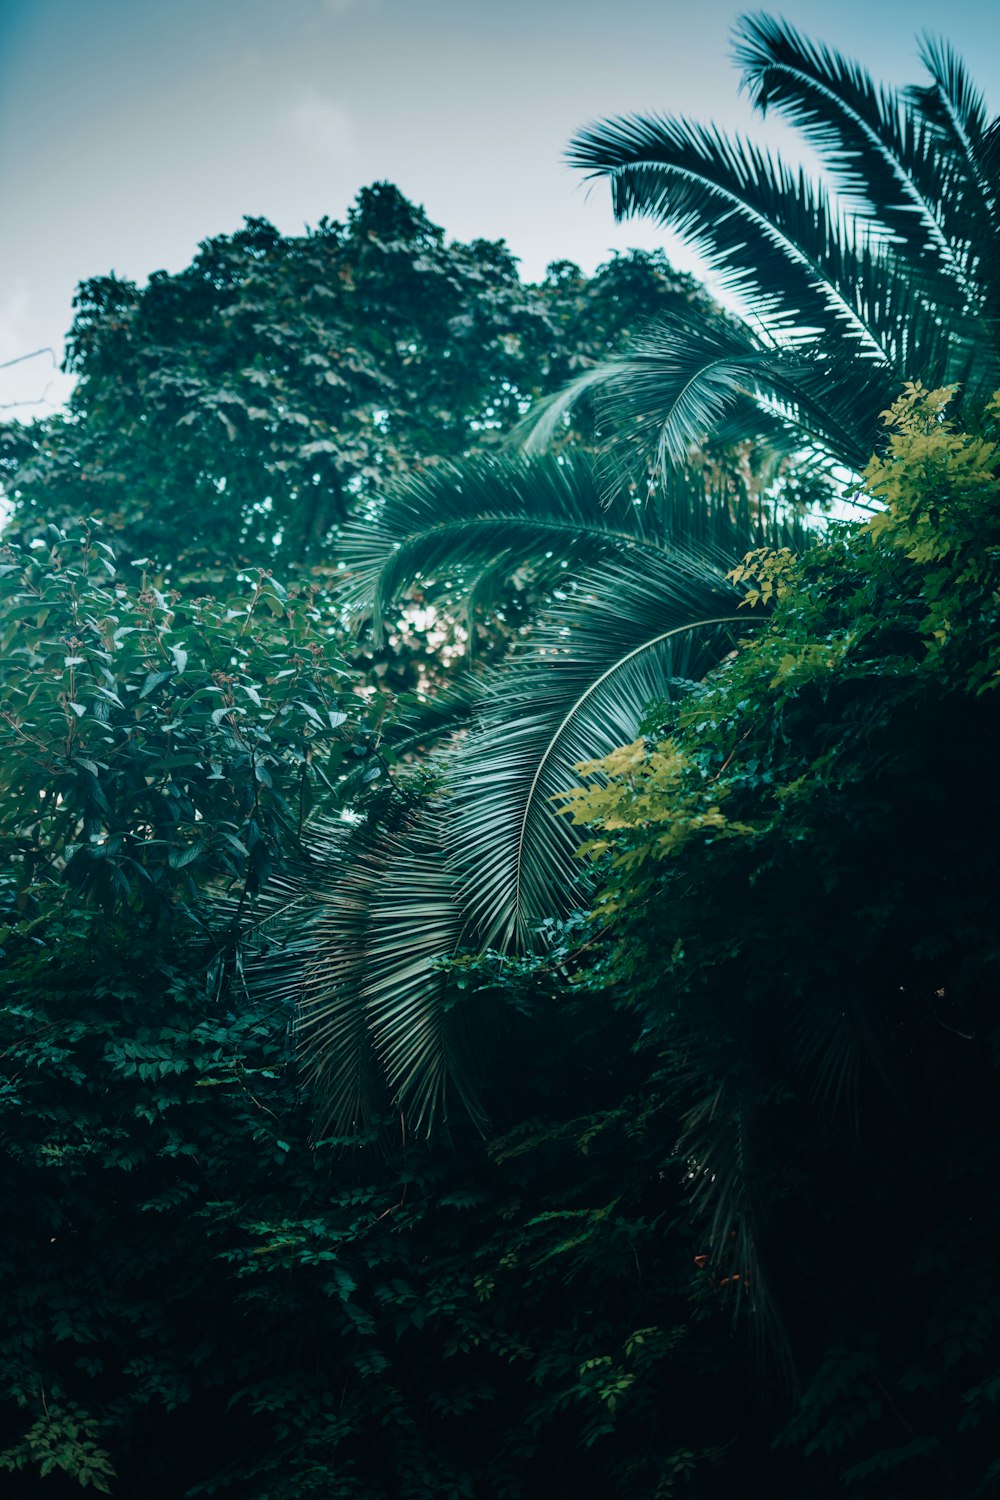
x=936 y=542
x=63 y=1439
x=262 y=388
x=150 y=742
x=797 y=905
x=629 y=602
x=199 y=1297
x=939 y=487
x=758 y=1079
x=238 y=411
x=652 y=790
x=200 y=1300
x=489 y=860
x=241 y=411
x=770 y=570
x=880 y=272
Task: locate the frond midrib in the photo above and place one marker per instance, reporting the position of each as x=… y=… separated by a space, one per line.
x=777 y=236
x=616 y=666
x=903 y=178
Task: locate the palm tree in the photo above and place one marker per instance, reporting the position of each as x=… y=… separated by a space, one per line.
x=850 y=295
x=889 y=275
x=633 y=606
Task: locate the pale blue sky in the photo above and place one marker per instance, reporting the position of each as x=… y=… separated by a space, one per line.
x=131 y=130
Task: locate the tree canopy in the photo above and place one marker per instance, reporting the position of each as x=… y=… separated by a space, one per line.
x=239 y=410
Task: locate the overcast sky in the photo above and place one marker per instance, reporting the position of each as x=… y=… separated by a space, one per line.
x=132 y=129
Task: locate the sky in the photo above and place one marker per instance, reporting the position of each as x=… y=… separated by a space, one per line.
x=131 y=130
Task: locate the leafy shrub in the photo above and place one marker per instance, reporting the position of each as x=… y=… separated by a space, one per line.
x=142 y=736
x=799 y=907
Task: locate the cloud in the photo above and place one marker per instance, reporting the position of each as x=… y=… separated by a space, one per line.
x=323 y=128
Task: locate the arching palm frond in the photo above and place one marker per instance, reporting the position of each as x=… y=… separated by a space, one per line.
x=554 y=517
x=577 y=690
x=676 y=383
x=484 y=521
x=535 y=432
x=681 y=384
x=483 y=864
x=375 y=1025
x=896 y=280
x=990 y=157
x=772 y=236
x=878 y=150
x=684 y=383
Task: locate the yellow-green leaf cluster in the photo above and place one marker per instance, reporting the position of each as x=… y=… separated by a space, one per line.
x=657 y=797
x=940 y=487
x=771 y=572
x=861 y=628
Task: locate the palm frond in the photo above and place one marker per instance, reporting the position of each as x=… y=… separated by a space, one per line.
x=421 y=724
x=578 y=690
x=989 y=155
x=481 y=521
x=957 y=111
x=268 y=938
x=682 y=384
x=952 y=102
x=424 y=1047
x=879 y=149
x=775 y=238
x=741 y=419
x=724 y=1171
x=841 y=1044
x=537 y=429
x=676 y=383
x=332 y=1029
x=830 y=402
x=376 y=1028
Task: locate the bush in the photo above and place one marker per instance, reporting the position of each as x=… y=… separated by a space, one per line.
x=799 y=905
x=149 y=744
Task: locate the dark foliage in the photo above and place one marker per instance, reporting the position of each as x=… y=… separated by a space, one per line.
x=800 y=896
x=199 y=1300
x=239 y=410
